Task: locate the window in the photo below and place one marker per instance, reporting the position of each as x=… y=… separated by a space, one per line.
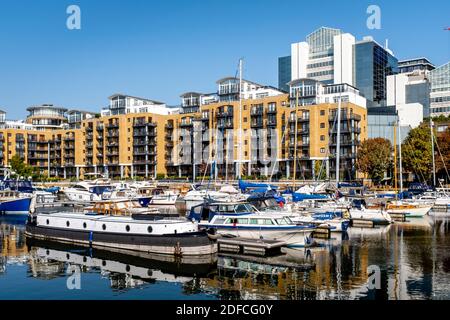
x=322 y=138
x=322 y=112
x=322 y=150
x=245 y=119
x=322 y=125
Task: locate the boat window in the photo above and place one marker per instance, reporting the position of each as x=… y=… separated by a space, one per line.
x=226 y=208
x=282 y=221
x=241 y=208
x=219 y=221
x=242 y=221
x=268 y=222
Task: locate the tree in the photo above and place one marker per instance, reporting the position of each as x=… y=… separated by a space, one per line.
x=442 y=150
x=416 y=152
x=375 y=158
x=20 y=168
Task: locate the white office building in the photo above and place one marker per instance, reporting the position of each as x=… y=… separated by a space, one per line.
x=440 y=90
x=325 y=56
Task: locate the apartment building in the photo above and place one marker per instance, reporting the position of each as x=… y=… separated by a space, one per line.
x=266 y=133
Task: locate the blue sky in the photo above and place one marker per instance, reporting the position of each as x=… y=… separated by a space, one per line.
x=160 y=49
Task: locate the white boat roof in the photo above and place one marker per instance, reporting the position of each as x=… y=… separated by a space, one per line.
x=108 y=218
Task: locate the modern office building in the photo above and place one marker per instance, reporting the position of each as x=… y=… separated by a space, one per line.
x=440 y=90
x=409 y=90
x=284 y=73
x=325 y=56
x=373 y=64
x=382 y=122
x=411 y=65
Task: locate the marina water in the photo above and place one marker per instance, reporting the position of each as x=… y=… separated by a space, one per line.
x=408 y=260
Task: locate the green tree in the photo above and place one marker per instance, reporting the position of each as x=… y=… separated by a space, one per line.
x=375 y=158
x=21 y=169
x=416 y=152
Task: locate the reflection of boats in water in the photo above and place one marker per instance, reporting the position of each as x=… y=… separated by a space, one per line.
x=379 y=232
x=422 y=223
x=48 y=260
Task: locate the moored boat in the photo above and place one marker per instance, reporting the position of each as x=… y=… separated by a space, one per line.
x=138 y=232
x=14 y=203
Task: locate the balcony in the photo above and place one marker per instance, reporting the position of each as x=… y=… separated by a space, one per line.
x=272 y=123
x=112 y=126
x=139 y=133
x=257 y=124
x=224 y=114
x=272 y=110
x=100 y=128
x=257 y=112
x=169 y=126
x=139 y=124
x=186 y=124
x=71 y=138
x=112 y=134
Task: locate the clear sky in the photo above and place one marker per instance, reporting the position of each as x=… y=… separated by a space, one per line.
x=159 y=49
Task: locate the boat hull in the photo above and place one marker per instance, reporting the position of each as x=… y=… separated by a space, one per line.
x=292 y=236
x=16 y=207
x=189 y=244
x=411 y=212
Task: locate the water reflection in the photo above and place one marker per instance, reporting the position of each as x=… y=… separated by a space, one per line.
x=413 y=258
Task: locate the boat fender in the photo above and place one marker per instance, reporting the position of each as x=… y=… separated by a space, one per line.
x=91 y=237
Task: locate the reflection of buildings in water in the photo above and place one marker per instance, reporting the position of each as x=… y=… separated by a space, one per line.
x=327 y=277
x=13 y=249
x=421 y=246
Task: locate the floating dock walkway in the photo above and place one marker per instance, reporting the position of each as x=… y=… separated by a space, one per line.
x=247 y=246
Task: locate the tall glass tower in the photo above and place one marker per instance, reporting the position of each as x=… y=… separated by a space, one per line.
x=373 y=64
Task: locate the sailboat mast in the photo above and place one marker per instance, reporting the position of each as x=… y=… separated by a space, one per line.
x=400 y=156
x=240 y=120
x=338 y=139
x=432 y=152
x=295 y=139
x=395 y=156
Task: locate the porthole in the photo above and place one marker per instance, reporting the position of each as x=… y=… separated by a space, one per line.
x=48 y=221
x=68 y=256
x=127 y=228
x=104 y=263
x=150 y=229
x=84 y=259
x=104 y=227
x=68 y=223
x=84 y=225
x=127 y=268
x=176 y=231
x=47 y=252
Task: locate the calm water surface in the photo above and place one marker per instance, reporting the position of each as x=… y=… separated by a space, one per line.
x=413 y=259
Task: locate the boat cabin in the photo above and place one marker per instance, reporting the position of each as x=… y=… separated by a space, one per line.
x=207 y=211
x=123 y=207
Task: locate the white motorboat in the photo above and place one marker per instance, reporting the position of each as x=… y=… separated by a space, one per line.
x=241 y=219
x=196 y=197
x=87 y=191
x=377 y=216
x=163 y=197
